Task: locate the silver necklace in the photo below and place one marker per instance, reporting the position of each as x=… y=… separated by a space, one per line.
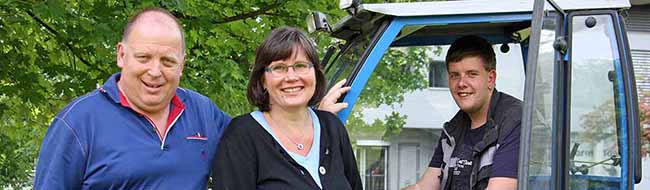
x=299 y=146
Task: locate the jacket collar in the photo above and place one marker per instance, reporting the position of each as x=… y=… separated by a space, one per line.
x=494 y=100
x=110 y=88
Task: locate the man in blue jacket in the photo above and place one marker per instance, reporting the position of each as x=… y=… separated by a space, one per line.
x=139 y=130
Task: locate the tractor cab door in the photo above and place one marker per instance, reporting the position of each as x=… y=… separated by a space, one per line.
x=580 y=127
x=400 y=97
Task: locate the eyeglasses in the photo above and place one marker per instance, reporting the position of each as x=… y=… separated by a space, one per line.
x=281 y=69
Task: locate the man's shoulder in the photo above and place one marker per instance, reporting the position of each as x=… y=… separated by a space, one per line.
x=457 y=123
x=509 y=106
x=508 y=101
x=508 y=113
x=199 y=106
x=197 y=101
x=190 y=96
x=87 y=104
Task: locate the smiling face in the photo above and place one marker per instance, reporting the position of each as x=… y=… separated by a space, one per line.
x=291 y=48
x=291 y=89
x=471 y=84
x=152 y=61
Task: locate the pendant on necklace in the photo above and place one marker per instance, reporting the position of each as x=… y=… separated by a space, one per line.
x=300 y=146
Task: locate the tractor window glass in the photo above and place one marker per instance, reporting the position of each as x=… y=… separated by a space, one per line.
x=397 y=108
x=342 y=66
x=405 y=104
x=594 y=158
x=346 y=60
x=540 y=144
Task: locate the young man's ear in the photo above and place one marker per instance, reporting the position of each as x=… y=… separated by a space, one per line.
x=492 y=78
x=120 y=54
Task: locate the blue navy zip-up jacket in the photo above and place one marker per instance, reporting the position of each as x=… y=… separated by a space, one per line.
x=96 y=143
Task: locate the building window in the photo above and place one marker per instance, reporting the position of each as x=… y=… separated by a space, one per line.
x=372 y=158
x=438 y=74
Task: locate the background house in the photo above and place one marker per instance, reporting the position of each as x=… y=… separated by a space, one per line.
x=638 y=31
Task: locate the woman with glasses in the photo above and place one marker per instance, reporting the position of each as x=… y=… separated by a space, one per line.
x=286 y=144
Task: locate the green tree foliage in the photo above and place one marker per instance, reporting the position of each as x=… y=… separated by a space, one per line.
x=401 y=70
x=53 y=51
x=644 y=112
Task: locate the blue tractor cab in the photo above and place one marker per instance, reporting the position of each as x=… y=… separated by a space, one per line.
x=568 y=61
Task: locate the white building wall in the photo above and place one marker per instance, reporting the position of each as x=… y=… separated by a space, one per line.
x=639 y=37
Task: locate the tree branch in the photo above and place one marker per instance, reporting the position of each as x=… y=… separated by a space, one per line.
x=242 y=16
x=272 y=14
x=59 y=38
x=247 y=15
x=278 y=15
x=262 y=11
x=234 y=35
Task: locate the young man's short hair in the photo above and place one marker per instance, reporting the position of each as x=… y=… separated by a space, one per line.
x=472 y=46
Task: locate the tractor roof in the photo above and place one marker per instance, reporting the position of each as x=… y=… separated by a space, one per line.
x=368 y=14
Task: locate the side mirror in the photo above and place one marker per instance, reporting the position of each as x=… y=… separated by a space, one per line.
x=350 y=5
x=317 y=21
x=344 y=4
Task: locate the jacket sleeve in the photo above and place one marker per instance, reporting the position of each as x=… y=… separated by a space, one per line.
x=349 y=161
x=62 y=158
x=235 y=163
